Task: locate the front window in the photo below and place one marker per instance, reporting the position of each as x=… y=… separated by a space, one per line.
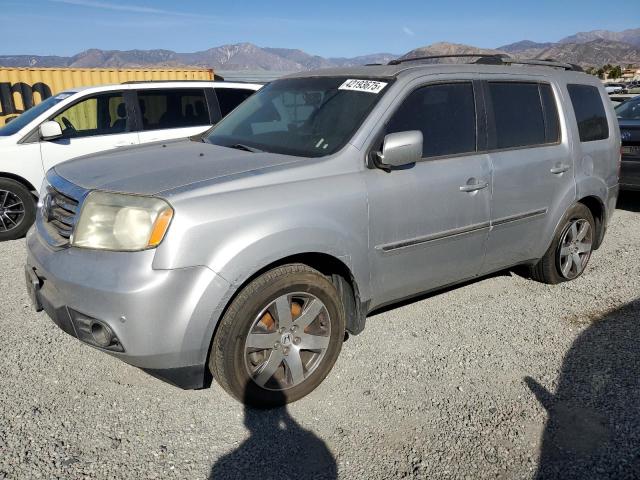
x=104 y=114
x=444 y=113
x=307 y=117
x=27 y=117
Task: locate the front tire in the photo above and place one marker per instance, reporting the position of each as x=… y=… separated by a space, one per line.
x=571 y=249
x=17 y=209
x=279 y=338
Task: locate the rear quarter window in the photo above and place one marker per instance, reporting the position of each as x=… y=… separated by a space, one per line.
x=590 y=113
x=230 y=98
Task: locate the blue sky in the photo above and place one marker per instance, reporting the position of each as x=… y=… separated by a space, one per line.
x=327 y=27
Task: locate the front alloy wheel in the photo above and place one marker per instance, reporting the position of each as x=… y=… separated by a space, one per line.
x=17 y=209
x=287 y=341
x=11 y=211
x=280 y=337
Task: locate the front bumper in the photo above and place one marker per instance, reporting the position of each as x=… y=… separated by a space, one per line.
x=163 y=320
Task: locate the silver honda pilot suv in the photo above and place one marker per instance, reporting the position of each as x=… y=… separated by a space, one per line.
x=250 y=252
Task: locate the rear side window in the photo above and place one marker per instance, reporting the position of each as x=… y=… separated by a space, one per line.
x=444 y=113
x=230 y=98
x=517 y=113
x=590 y=114
x=164 y=109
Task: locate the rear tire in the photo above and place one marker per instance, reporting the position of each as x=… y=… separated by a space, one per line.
x=17 y=209
x=570 y=250
x=279 y=338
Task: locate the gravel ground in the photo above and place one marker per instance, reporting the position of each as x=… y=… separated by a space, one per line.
x=501 y=378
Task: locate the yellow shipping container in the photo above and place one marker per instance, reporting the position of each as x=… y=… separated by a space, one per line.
x=21 y=88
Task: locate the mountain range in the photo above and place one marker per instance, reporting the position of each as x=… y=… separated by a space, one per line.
x=593 y=48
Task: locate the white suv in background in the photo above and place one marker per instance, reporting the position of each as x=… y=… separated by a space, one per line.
x=89 y=120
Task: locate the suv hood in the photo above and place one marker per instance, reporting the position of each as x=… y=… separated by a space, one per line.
x=159 y=167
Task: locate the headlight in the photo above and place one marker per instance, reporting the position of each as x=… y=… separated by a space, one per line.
x=113 y=221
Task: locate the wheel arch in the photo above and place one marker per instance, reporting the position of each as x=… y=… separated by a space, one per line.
x=18 y=179
x=333 y=267
x=597 y=209
x=329 y=265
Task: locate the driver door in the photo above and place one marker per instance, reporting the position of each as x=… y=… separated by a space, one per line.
x=93 y=124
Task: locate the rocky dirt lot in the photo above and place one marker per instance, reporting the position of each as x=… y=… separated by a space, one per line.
x=500 y=378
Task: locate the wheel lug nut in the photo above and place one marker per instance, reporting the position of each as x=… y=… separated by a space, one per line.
x=296 y=340
x=276 y=346
x=285 y=350
x=294 y=328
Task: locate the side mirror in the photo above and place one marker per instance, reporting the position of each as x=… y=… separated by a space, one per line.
x=50 y=131
x=402 y=148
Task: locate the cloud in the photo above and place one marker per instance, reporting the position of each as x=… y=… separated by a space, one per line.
x=120 y=7
x=408 y=31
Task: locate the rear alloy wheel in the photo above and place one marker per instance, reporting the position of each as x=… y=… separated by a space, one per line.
x=570 y=249
x=17 y=209
x=279 y=338
x=575 y=248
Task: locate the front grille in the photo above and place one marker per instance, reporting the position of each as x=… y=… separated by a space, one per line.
x=59 y=216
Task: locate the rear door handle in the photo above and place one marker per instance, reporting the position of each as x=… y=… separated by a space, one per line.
x=558 y=169
x=474 y=187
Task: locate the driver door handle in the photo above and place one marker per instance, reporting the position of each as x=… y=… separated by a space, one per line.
x=474 y=187
x=558 y=169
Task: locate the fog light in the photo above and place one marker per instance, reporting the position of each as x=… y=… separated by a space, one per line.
x=95 y=332
x=101 y=334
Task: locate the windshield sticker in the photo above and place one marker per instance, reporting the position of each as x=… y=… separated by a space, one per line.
x=370 y=86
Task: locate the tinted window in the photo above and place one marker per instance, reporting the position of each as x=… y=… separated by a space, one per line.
x=161 y=109
x=592 y=120
x=445 y=114
x=230 y=98
x=517 y=114
x=551 y=120
x=104 y=114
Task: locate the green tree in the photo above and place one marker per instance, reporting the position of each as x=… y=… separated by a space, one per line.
x=616 y=72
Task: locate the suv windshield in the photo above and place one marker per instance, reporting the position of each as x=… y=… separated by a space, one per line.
x=307 y=117
x=629 y=110
x=23 y=120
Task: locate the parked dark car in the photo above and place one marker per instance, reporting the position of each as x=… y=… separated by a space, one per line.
x=629 y=119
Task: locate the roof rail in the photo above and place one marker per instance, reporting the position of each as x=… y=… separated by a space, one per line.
x=496 y=59
x=398 y=61
x=546 y=62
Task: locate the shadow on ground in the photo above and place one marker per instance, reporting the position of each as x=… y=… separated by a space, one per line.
x=629 y=201
x=278 y=448
x=593 y=429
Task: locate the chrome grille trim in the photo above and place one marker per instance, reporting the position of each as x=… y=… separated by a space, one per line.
x=59 y=212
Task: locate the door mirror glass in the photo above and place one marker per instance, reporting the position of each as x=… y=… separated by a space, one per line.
x=402 y=148
x=50 y=131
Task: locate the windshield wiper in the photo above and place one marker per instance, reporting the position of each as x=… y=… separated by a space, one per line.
x=246 y=148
